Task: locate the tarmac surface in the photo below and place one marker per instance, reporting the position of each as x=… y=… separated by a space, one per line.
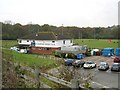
x=105 y=79
x=100 y=79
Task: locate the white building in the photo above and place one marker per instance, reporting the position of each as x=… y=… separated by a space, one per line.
x=44 y=42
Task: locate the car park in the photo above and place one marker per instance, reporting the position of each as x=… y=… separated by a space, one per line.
x=68 y=62
x=117 y=59
x=103 y=66
x=115 y=67
x=89 y=64
x=110 y=77
x=78 y=63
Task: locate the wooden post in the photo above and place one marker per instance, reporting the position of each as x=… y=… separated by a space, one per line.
x=37 y=73
x=75 y=84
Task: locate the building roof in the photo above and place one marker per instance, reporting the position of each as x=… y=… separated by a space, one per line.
x=45 y=36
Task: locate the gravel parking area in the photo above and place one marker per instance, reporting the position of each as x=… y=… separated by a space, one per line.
x=98 y=59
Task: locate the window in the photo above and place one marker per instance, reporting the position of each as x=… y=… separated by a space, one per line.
x=53 y=41
x=27 y=40
x=70 y=41
x=63 y=41
x=48 y=48
x=33 y=40
x=20 y=41
x=44 y=48
x=33 y=43
x=40 y=49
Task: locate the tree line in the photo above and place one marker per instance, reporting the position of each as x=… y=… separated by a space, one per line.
x=13 y=32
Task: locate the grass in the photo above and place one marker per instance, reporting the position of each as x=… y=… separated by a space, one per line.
x=48 y=82
x=8 y=43
x=30 y=59
x=95 y=43
x=52 y=84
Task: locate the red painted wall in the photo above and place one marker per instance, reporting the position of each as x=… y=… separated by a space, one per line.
x=43 y=50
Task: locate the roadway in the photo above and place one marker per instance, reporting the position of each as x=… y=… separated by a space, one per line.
x=101 y=79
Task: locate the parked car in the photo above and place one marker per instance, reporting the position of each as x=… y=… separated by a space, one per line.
x=68 y=62
x=89 y=64
x=117 y=59
x=78 y=63
x=23 y=51
x=14 y=49
x=115 y=67
x=103 y=66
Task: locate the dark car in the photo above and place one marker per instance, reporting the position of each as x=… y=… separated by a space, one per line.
x=115 y=67
x=78 y=63
x=117 y=59
x=103 y=66
x=68 y=62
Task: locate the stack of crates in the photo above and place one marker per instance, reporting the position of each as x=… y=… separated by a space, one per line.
x=108 y=52
x=117 y=51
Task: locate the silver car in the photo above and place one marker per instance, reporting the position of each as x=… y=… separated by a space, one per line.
x=115 y=67
x=103 y=66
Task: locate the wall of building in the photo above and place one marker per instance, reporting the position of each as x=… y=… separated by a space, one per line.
x=53 y=43
x=43 y=50
x=47 y=43
x=25 y=42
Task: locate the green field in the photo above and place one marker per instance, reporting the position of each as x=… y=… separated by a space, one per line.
x=95 y=43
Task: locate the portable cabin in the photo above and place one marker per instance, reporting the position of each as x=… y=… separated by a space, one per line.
x=117 y=51
x=108 y=52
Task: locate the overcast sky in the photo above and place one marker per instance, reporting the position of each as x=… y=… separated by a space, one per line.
x=81 y=13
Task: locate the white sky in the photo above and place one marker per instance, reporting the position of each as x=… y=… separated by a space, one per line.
x=81 y=13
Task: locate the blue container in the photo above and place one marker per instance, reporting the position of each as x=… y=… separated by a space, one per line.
x=117 y=51
x=80 y=56
x=108 y=52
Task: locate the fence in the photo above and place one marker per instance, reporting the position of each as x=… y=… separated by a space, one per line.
x=37 y=75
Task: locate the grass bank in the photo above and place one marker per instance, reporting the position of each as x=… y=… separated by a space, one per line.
x=31 y=60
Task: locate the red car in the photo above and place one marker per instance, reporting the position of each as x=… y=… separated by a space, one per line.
x=117 y=59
